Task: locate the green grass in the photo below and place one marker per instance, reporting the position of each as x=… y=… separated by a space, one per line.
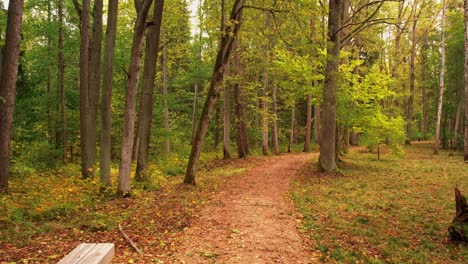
x=396 y=210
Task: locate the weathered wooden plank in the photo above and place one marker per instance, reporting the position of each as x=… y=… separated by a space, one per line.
x=100 y=254
x=77 y=254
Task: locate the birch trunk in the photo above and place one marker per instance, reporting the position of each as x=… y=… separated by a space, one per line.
x=441 y=80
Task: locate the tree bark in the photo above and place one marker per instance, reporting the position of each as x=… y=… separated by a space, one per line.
x=195 y=111
x=409 y=117
x=94 y=81
x=274 y=135
x=242 y=134
x=147 y=89
x=327 y=135
x=167 y=143
x=226 y=44
x=61 y=79
x=131 y=96
x=8 y=78
x=458 y=230
x=441 y=80
x=227 y=123
x=291 y=133
x=106 y=112
x=316 y=124
x=465 y=12
x=86 y=167
x=456 y=128
x=308 y=123
x=265 y=115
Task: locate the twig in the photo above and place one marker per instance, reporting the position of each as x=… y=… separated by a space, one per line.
x=130 y=241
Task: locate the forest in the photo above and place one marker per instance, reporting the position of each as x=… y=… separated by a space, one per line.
x=234 y=131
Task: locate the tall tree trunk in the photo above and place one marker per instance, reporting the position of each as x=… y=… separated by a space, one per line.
x=61 y=79
x=147 y=89
x=409 y=117
x=316 y=124
x=265 y=114
x=86 y=167
x=131 y=96
x=424 y=93
x=242 y=135
x=106 y=112
x=291 y=133
x=195 y=111
x=226 y=44
x=275 y=119
x=8 y=78
x=94 y=81
x=167 y=142
x=456 y=128
x=226 y=104
x=51 y=128
x=441 y=80
x=327 y=135
x=466 y=81
x=227 y=123
x=217 y=125
x=308 y=123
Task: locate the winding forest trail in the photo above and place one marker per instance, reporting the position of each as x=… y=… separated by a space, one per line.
x=251 y=219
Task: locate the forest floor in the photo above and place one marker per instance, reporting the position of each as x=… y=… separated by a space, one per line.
x=256 y=210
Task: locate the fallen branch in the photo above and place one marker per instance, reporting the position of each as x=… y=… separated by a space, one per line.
x=130 y=241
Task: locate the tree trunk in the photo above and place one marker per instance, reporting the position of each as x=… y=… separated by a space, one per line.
x=409 y=117
x=308 y=123
x=291 y=133
x=167 y=143
x=458 y=230
x=147 y=89
x=327 y=135
x=316 y=124
x=131 y=96
x=106 y=111
x=86 y=167
x=226 y=44
x=265 y=114
x=456 y=128
x=8 y=78
x=275 y=120
x=242 y=135
x=466 y=81
x=61 y=79
x=217 y=124
x=441 y=80
x=94 y=81
x=227 y=123
x=195 y=110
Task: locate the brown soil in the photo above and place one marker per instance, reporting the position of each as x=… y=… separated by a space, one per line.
x=250 y=220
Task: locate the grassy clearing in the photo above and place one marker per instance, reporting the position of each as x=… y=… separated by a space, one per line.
x=48 y=213
x=395 y=210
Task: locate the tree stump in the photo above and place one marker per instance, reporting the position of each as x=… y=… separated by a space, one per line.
x=458 y=231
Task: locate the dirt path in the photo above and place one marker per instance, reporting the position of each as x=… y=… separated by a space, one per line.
x=251 y=220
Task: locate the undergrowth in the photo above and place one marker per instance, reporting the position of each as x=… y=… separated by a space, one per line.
x=393 y=210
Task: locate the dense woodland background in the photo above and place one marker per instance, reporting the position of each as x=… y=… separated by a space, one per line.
x=269 y=100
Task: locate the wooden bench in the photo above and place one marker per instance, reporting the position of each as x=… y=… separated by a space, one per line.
x=101 y=253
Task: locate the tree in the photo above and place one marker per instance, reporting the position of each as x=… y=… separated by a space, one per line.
x=142 y=8
x=61 y=77
x=224 y=51
x=328 y=129
x=441 y=80
x=8 y=77
x=147 y=88
x=465 y=9
x=106 y=110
